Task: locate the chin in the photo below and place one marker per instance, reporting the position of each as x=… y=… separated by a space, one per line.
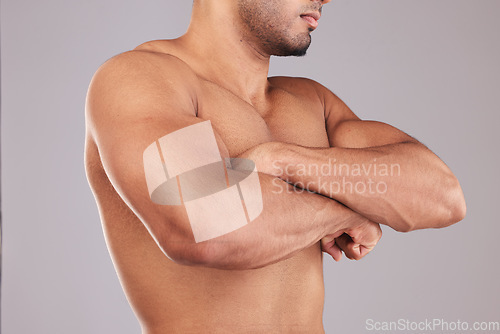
x=299 y=50
x=295 y=45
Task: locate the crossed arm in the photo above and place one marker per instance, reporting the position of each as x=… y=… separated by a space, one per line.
x=138 y=97
x=402 y=185
x=372 y=168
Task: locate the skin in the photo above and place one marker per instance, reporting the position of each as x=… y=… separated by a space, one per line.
x=266 y=276
x=274 y=31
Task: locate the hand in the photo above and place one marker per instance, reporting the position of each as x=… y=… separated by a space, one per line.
x=355 y=242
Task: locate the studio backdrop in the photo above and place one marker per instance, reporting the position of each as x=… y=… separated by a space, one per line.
x=428 y=67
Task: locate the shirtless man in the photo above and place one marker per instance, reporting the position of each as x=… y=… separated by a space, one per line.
x=265 y=277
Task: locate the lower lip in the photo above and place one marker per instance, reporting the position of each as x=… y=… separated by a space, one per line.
x=311 y=20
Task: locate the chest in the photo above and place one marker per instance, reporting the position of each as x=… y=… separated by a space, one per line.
x=283 y=117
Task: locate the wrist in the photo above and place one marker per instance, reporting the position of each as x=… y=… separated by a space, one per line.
x=270 y=158
x=280 y=159
x=340 y=218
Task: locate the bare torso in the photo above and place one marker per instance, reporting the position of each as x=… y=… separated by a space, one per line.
x=286 y=297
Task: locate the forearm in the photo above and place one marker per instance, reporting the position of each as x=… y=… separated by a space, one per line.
x=291 y=221
x=403 y=185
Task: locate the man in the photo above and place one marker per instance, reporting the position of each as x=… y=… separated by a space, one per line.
x=264 y=277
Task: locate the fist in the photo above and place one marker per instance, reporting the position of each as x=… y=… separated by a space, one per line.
x=355 y=242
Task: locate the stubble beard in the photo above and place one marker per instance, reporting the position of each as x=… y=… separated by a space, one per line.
x=265 y=23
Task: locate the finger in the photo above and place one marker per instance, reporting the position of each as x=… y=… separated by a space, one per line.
x=364 y=250
x=372 y=231
x=328 y=246
x=342 y=242
x=335 y=252
x=351 y=249
x=329 y=240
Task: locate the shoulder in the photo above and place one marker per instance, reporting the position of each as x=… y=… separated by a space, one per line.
x=140 y=68
x=332 y=105
x=139 y=83
x=297 y=86
x=305 y=87
x=139 y=86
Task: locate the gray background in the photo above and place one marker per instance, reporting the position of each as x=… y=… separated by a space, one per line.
x=428 y=67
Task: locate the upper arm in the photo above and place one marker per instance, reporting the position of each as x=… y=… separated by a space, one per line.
x=133 y=100
x=347 y=130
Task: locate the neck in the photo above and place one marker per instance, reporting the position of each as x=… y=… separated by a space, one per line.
x=222 y=54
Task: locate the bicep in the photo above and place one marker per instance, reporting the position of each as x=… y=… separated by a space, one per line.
x=136 y=161
x=363 y=134
x=131 y=116
x=347 y=130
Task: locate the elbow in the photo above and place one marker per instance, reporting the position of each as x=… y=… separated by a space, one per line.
x=186 y=253
x=460 y=207
x=204 y=254
x=178 y=245
x=406 y=227
x=454 y=202
x=447 y=209
x=452 y=206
